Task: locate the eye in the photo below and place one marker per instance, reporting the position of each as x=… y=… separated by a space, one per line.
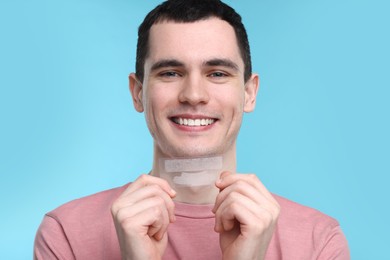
x=169 y=74
x=218 y=74
x=219 y=77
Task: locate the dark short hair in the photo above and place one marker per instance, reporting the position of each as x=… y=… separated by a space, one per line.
x=186 y=11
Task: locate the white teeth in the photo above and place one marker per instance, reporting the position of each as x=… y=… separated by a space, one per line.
x=193 y=122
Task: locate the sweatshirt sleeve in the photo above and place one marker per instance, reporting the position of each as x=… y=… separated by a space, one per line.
x=336 y=246
x=51 y=241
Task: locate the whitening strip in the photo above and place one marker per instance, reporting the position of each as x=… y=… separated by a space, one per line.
x=193 y=171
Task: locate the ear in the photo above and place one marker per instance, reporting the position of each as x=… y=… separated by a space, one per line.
x=251 y=88
x=136 y=92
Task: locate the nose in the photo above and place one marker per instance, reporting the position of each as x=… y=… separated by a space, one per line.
x=194 y=91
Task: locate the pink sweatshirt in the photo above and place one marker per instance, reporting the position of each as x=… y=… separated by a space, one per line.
x=84 y=229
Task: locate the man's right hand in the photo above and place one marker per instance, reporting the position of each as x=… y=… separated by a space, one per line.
x=141 y=216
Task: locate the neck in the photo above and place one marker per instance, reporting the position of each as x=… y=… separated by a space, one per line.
x=191 y=193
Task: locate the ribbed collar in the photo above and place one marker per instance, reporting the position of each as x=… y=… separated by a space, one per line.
x=193 y=210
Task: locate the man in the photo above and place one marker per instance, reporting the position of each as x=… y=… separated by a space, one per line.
x=193 y=81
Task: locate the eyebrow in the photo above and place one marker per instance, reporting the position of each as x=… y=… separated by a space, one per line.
x=209 y=63
x=166 y=63
x=222 y=62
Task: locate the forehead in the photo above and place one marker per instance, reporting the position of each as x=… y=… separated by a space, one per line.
x=193 y=42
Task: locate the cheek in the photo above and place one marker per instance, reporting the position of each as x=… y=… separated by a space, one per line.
x=233 y=100
x=156 y=103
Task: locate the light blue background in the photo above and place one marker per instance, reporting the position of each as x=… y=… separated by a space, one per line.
x=319 y=135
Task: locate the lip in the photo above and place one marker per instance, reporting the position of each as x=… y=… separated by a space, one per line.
x=187 y=128
x=193 y=116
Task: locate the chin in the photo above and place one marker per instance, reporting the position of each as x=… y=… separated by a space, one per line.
x=191 y=152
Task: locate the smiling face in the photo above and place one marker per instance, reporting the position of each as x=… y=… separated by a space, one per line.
x=193 y=93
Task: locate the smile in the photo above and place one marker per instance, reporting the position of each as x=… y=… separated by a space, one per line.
x=193 y=122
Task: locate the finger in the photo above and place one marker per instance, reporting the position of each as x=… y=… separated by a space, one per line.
x=247 y=189
x=159 y=227
x=151 y=221
x=248 y=214
x=146 y=180
x=225 y=174
x=226 y=180
x=138 y=197
x=155 y=219
x=243 y=188
x=241 y=191
x=226 y=213
x=128 y=212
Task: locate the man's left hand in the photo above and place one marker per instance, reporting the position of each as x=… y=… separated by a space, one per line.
x=245 y=216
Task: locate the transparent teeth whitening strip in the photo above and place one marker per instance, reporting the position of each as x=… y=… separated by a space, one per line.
x=193 y=171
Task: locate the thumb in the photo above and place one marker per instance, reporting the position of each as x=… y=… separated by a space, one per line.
x=223 y=175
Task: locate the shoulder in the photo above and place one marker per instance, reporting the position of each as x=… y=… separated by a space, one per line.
x=80 y=229
x=303 y=226
x=87 y=207
x=304 y=216
x=302 y=220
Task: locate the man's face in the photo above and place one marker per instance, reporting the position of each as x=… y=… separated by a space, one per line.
x=194 y=93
